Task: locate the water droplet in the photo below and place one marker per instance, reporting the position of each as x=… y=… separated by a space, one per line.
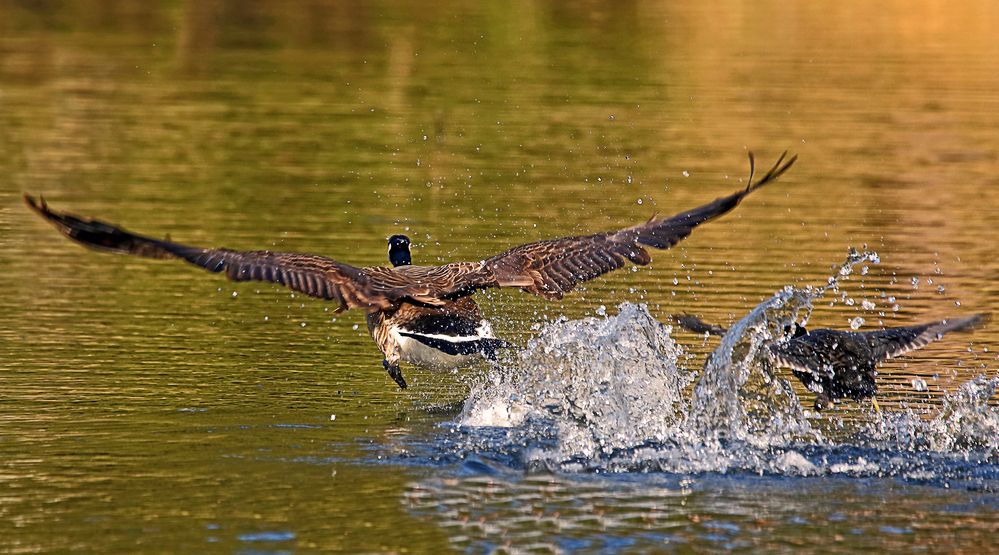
x=686 y=173
x=868 y=305
x=235 y=294
x=919 y=384
x=856 y=323
x=639 y=201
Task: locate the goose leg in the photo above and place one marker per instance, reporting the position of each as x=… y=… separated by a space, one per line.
x=395 y=372
x=874 y=401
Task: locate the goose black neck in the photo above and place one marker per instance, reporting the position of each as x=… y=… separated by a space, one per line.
x=399 y=250
x=399 y=256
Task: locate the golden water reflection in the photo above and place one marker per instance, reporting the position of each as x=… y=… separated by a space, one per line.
x=146 y=403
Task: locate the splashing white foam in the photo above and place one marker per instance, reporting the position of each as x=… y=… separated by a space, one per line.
x=605 y=383
x=607 y=394
x=964 y=422
x=739 y=396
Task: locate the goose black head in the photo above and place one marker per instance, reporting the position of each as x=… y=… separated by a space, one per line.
x=399 y=250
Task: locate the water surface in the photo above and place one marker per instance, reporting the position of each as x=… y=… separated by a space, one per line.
x=146 y=406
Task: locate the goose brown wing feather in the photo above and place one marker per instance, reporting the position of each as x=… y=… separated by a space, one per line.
x=554 y=267
x=316 y=276
x=666 y=232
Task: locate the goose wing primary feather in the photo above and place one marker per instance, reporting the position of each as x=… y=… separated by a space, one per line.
x=893 y=342
x=316 y=276
x=554 y=267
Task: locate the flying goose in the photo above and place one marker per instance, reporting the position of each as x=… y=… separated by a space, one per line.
x=424 y=315
x=836 y=364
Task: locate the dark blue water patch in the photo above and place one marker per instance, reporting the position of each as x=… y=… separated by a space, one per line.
x=726 y=527
x=474 y=465
x=574 y=544
x=482 y=547
x=894 y=530
x=452 y=445
x=278 y=536
x=615 y=544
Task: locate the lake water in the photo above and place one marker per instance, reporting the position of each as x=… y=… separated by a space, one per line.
x=149 y=407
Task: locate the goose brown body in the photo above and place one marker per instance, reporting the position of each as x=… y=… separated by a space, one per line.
x=407 y=295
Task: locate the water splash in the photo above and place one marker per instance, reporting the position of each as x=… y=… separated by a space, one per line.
x=604 y=383
x=610 y=394
x=740 y=396
x=964 y=423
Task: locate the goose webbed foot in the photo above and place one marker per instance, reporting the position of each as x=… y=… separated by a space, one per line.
x=395 y=372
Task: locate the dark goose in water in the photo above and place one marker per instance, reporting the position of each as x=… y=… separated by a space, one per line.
x=838 y=364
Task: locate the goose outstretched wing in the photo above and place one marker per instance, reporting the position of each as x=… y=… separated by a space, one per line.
x=548 y=268
x=316 y=276
x=554 y=267
x=893 y=342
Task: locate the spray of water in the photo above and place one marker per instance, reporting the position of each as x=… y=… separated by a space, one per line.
x=603 y=384
x=609 y=394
